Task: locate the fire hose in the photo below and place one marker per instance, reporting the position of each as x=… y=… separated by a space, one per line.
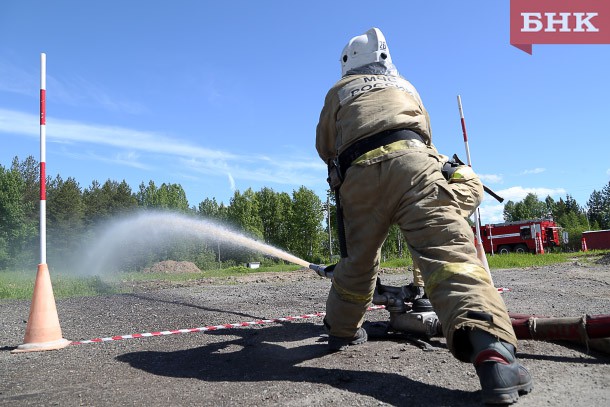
x=408 y=317
x=591 y=330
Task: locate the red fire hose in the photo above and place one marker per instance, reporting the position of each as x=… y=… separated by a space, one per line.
x=592 y=330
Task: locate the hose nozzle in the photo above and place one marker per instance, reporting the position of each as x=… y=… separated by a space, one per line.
x=321 y=270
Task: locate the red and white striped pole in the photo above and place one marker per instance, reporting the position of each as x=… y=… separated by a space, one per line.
x=43 y=159
x=477 y=214
x=42 y=331
x=463 y=122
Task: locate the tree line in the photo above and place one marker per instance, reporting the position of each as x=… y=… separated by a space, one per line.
x=290 y=222
x=299 y=223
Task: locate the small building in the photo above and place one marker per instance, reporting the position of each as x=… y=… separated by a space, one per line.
x=597 y=239
x=253 y=265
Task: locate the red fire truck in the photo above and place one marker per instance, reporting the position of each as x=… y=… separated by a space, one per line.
x=520 y=236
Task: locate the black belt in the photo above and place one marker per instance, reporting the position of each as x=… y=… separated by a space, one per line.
x=370 y=143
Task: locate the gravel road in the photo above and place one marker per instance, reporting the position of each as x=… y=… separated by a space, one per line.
x=286 y=363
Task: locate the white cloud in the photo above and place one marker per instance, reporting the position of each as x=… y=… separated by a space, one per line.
x=19 y=123
x=128 y=159
x=75 y=91
x=533 y=171
x=79 y=91
x=18 y=81
x=261 y=170
x=492 y=213
x=72 y=132
x=231 y=182
x=518 y=193
x=133 y=144
x=491 y=178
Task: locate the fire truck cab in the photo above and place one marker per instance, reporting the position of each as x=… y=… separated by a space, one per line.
x=520 y=236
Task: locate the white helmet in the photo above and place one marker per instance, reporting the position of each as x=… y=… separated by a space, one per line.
x=365 y=49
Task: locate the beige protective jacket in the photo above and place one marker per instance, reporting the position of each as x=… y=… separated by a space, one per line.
x=358 y=106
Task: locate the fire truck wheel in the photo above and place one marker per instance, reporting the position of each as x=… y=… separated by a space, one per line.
x=504 y=249
x=521 y=248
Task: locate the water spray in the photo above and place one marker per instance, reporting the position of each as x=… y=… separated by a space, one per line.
x=156 y=228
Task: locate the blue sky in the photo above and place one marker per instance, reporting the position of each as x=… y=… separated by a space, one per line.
x=219 y=96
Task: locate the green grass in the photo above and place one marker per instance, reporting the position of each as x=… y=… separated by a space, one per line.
x=504 y=261
x=218 y=273
x=20 y=284
x=396 y=263
x=514 y=260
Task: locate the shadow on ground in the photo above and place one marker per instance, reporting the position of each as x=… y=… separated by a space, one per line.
x=270 y=354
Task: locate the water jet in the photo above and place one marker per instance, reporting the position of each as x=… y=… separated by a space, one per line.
x=118 y=238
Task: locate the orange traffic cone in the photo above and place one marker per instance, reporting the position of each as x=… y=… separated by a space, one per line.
x=583 y=244
x=539 y=246
x=43 y=331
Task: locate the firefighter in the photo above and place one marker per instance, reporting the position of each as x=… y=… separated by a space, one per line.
x=374 y=134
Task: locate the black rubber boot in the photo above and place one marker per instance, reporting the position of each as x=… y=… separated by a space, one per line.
x=338 y=343
x=501 y=375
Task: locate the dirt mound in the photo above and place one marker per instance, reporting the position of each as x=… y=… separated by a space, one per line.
x=173 y=267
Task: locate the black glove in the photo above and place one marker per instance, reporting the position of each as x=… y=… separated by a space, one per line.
x=449 y=168
x=330 y=268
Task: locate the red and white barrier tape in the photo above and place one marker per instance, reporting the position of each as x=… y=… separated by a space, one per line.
x=207 y=328
x=222 y=326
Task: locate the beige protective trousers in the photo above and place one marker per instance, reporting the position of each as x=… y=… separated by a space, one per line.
x=410 y=191
x=468 y=191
